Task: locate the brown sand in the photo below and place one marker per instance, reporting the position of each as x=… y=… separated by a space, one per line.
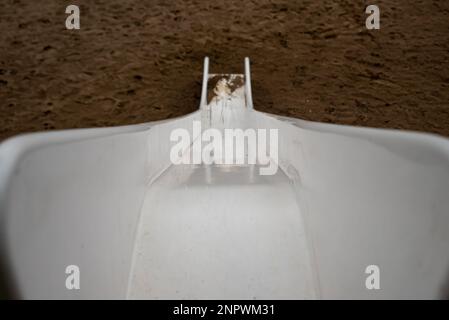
x=135 y=61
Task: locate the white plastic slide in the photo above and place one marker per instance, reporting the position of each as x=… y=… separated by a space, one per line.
x=352 y=213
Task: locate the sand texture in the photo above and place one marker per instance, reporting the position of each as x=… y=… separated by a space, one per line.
x=135 y=61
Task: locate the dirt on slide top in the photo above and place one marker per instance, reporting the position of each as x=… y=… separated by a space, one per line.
x=135 y=61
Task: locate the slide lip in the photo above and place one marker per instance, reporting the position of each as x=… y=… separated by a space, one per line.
x=358 y=130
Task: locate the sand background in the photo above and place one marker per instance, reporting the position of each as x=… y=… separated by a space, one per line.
x=135 y=61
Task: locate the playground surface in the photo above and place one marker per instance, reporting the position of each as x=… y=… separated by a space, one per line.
x=138 y=61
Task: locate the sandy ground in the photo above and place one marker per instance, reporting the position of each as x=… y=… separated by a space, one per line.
x=135 y=61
